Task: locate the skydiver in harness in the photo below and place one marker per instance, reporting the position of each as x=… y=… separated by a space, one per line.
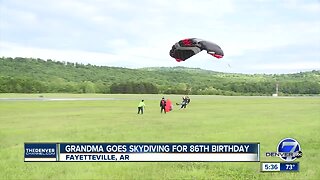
x=185 y=101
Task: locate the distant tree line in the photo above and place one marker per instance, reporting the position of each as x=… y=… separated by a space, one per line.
x=27 y=75
x=28 y=85
x=134 y=88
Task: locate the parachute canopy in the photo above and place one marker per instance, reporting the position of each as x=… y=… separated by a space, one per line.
x=186 y=48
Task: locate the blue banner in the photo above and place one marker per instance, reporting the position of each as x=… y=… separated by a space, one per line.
x=159 y=148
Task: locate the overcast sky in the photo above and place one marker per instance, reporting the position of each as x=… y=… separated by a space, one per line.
x=257 y=36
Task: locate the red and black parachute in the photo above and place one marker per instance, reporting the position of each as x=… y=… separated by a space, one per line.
x=186 y=48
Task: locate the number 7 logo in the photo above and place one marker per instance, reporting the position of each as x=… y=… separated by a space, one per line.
x=289 y=147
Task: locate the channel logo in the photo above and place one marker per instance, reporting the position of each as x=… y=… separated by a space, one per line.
x=288 y=149
x=40 y=152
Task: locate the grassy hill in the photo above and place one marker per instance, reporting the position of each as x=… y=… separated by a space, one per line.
x=38 y=75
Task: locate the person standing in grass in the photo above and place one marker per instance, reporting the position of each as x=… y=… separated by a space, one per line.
x=141 y=106
x=163 y=104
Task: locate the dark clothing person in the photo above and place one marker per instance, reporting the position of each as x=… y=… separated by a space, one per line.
x=184 y=102
x=163 y=104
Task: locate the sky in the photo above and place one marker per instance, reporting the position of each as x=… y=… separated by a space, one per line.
x=257 y=36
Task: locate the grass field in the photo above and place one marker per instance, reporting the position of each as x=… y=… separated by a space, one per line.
x=207 y=119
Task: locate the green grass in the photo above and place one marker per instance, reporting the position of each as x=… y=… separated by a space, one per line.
x=207 y=119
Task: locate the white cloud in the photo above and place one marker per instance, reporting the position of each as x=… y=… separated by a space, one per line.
x=140 y=33
x=288 y=67
x=20 y=17
x=15 y=50
x=311 y=6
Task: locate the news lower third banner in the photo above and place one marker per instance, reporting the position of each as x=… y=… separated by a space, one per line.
x=142 y=152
